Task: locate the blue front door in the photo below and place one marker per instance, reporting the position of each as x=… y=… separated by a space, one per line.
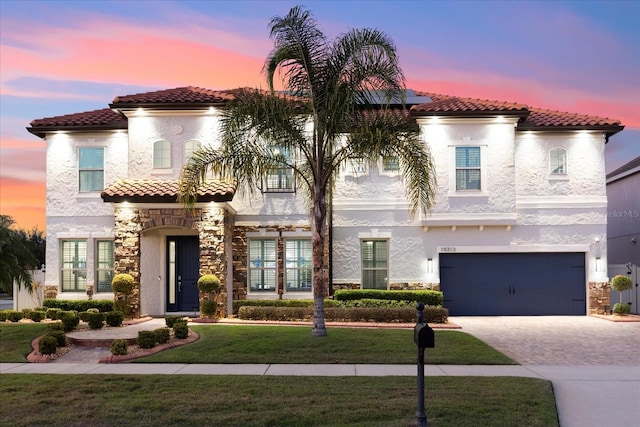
x=183 y=264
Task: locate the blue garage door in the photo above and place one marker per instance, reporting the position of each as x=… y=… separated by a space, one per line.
x=517 y=284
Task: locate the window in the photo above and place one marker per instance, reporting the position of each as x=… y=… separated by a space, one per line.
x=279 y=180
x=161 y=154
x=190 y=147
x=558 y=161
x=91 y=167
x=262 y=265
x=104 y=265
x=390 y=164
x=358 y=166
x=468 y=168
x=298 y=258
x=374 y=264
x=74 y=265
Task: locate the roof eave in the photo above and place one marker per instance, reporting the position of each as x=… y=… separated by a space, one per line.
x=609 y=130
x=485 y=114
x=226 y=197
x=42 y=131
x=127 y=106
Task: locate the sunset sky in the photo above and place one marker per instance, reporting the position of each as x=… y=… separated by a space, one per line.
x=61 y=57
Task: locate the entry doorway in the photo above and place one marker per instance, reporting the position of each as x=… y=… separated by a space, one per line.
x=183 y=265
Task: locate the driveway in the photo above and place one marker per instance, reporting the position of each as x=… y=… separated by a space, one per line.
x=593 y=364
x=558 y=340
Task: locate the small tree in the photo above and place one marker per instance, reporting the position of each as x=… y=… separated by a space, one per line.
x=122 y=285
x=209 y=284
x=621 y=283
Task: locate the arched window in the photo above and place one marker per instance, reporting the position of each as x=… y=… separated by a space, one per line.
x=557 y=161
x=161 y=154
x=190 y=147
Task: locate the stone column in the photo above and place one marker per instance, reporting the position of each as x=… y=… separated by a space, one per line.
x=127 y=250
x=213 y=257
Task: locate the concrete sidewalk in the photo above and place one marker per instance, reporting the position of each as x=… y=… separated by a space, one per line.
x=585 y=395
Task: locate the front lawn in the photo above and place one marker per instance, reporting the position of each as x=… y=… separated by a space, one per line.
x=15 y=340
x=289 y=344
x=187 y=400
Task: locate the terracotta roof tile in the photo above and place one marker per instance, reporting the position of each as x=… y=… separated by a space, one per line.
x=180 y=95
x=453 y=105
x=163 y=191
x=548 y=118
x=96 y=119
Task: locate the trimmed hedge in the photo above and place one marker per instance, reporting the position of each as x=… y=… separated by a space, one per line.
x=12 y=315
x=60 y=336
x=114 y=318
x=146 y=339
x=181 y=330
x=280 y=303
x=69 y=320
x=47 y=345
x=172 y=320
x=37 y=315
x=346 y=314
x=119 y=347
x=95 y=320
x=428 y=297
x=103 y=305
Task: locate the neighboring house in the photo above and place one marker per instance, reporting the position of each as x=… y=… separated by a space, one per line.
x=518 y=227
x=623 y=228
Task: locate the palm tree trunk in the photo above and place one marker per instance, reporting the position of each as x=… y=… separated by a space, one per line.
x=318 y=233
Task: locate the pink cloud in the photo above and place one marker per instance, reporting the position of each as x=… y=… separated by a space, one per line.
x=24 y=201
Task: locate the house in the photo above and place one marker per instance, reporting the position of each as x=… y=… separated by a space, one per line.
x=623 y=229
x=518 y=227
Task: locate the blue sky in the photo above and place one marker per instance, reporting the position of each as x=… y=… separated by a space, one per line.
x=60 y=57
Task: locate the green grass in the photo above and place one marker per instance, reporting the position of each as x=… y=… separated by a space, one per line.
x=15 y=340
x=286 y=344
x=152 y=400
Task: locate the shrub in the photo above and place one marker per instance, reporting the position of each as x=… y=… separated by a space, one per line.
x=25 y=312
x=3 y=315
x=428 y=297
x=171 y=320
x=208 y=308
x=13 y=316
x=84 y=316
x=69 y=320
x=56 y=326
x=122 y=283
x=37 y=315
x=281 y=303
x=621 y=283
x=181 y=330
x=620 y=308
x=79 y=305
x=119 y=347
x=348 y=314
x=162 y=335
x=93 y=310
x=209 y=283
x=146 y=339
x=114 y=318
x=60 y=336
x=53 y=313
x=47 y=345
x=95 y=320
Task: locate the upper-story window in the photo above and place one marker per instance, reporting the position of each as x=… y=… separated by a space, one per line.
x=468 y=169
x=91 y=168
x=191 y=147
x=390 y=164
x=280 y=179
x=558 y=161
x=161 y=154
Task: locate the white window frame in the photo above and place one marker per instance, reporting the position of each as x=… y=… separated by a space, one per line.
x=297 y=266
x=91 y=170
x=259 y=264
x=161 y=146
x=385 y=269
x=554 y=163
x=190 y=147
x=76 y=266
x=99 y=268
x=482 y=192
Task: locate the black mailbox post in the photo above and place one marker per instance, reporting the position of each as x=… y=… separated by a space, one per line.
x=424 y=337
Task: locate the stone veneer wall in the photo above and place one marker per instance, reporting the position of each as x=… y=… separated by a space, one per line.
x=599 y=298
x=210 y=223
x=240 y=264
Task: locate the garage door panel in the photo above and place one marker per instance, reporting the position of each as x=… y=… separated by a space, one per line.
x=513 y=284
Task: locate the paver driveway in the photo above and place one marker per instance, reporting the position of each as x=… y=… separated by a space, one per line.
x=558 y=340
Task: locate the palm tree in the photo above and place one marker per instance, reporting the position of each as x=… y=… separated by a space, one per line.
x=335 y=107
x=16 y=256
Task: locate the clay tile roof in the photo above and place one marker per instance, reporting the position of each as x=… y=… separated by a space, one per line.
x=453 y=105
x=104 y=119
x=163 y=191
x=540 y=118
x=188 y=95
